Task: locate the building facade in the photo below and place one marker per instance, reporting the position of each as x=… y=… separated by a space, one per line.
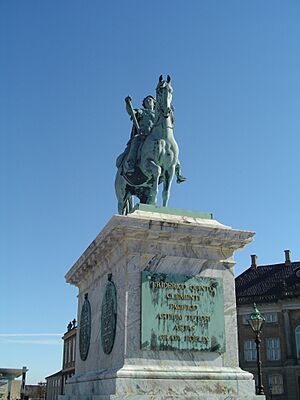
x=276 y=291
x=35 y=392
x=10 y=392
x=69 y=353
x=54 y=386
x=56 y=382
x=10 y=388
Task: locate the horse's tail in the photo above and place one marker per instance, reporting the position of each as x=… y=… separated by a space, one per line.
x=129 y=205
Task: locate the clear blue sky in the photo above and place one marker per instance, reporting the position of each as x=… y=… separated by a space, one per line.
x=66 y=67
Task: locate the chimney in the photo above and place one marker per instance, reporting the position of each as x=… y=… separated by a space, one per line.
x=287 y=257
x=253 y=261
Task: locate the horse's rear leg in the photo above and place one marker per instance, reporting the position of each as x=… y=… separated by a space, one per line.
x=168 y=177
x=125 y=206
x=121 y=208
x=129 y=204
x=125 y=201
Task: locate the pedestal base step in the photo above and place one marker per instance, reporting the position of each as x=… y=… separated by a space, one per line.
x=162 y=383
x=162 y=397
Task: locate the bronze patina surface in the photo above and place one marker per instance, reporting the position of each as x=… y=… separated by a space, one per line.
x=85 y=329
x=109 y=317
x=151 y=156
x=182 y=312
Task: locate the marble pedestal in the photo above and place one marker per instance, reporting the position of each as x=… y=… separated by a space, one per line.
x=161 y=243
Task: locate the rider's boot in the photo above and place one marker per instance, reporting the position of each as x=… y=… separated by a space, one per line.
x=180 y=178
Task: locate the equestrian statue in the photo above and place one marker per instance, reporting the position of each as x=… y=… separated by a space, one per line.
x=151 y=155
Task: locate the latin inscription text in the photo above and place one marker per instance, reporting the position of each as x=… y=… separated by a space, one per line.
x=186 y=314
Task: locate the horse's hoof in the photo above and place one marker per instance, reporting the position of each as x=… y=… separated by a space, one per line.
x=180 y=179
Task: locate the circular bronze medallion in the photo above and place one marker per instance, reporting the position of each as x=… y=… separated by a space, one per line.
x=85 y=329
x=109 y=317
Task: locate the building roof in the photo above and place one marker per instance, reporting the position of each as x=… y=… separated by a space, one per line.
x=268 y=283
x=54 y=375
x=10 y=373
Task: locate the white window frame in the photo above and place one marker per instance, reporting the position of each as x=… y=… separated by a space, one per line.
x=271 y=317
x=273 y=349
x=250 y=350
x=275 y=382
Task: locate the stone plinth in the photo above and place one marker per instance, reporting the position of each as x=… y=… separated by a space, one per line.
x=157 y=243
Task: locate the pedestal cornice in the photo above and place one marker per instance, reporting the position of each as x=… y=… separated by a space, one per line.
x=151 y=228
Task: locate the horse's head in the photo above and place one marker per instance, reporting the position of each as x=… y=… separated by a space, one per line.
x=164 y=92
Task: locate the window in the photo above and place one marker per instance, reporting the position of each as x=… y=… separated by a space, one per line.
x=72 y=347
x=250 y=350
x=65 y=353
x=275 y=384
x=74 y=344
x=271 y=317
x=273 y=349
x=297 y=336
x=245 y=319
x=70 y=351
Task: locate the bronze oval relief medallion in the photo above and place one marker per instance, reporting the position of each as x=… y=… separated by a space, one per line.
x=85 y=329
x=109 y=317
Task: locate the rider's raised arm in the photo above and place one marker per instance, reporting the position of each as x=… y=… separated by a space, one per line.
x=129 y=109
x=128 y=101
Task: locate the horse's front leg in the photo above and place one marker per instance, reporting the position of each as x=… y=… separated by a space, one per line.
x=155 y=171
x=168 y=177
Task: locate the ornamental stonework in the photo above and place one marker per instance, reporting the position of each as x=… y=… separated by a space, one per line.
x=109 y=317
x=85 y=329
